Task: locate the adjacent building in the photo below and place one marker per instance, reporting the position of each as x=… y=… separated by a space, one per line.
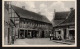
x=9 y=25
x=64 y=25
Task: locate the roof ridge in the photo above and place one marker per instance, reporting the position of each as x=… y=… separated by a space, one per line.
x=31 y=13
x=67 y=17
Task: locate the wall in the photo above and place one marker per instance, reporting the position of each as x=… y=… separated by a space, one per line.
x=9 y=28
x=40 y=26
x=6 y=26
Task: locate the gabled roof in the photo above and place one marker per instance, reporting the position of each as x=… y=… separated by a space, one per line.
x=29 y=14
x=70 y=20
x=61 y=15
x=56 y=22
x=59 y=18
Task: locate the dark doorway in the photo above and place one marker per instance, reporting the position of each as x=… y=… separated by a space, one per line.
x=72 y=33
x=29 y=34
x=64 y=33
x=25 y=33
x=34 y=33
x=21 y=33
x=42 y=34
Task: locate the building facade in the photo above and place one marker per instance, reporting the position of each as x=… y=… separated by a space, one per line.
x=32 y=24
x=65 y=29
x=29 y=24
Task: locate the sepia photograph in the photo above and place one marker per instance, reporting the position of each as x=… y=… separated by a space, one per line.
x=39 y=23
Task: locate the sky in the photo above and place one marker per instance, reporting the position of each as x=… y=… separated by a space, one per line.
x=46 y=8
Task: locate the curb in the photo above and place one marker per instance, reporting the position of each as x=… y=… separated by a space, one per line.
x=62 y=42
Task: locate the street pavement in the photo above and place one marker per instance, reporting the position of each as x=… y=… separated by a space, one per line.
x=36 y=41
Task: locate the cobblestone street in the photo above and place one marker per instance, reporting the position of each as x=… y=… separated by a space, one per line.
x=36 y=41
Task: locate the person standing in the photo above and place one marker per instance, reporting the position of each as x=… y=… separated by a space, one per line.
x=50 y=36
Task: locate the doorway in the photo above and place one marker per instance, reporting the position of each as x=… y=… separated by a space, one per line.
x=34 y=33
x=25 y=33
x=72 y=34
x=21 y=33
x=64 y=33
x=42 y=34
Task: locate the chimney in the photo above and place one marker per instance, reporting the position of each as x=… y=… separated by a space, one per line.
x=23 y=7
